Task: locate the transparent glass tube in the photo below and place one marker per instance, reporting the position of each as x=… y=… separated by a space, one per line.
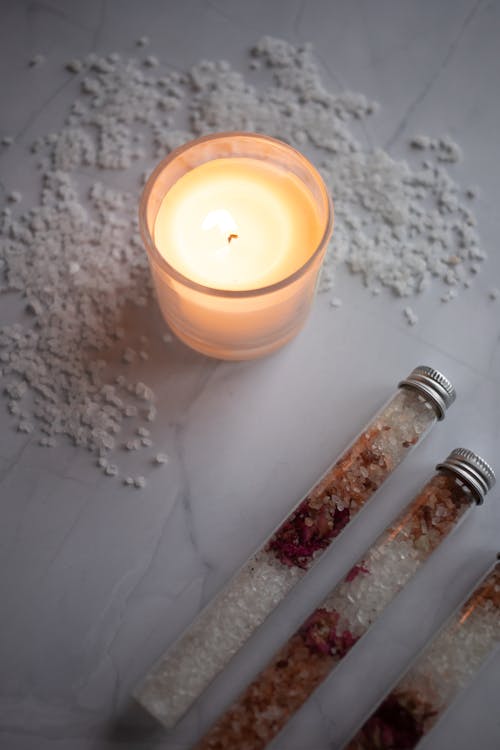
x=226 y=623
x=315 y=649
x=415 y=704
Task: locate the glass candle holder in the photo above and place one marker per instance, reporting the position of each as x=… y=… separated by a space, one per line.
x=236 y=226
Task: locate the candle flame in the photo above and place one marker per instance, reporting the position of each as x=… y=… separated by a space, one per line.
x=223 y=220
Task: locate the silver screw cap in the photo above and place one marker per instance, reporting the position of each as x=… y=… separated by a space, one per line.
x=471 y=469
x=433 y=385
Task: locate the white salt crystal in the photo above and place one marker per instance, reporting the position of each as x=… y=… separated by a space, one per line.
x=411 y=316
x=132 y=445
x=36 y=60
x=449 y=295
x=161 y=458
x=142 y=391
x=74 y=66
x=128 y=355
x=151 y=414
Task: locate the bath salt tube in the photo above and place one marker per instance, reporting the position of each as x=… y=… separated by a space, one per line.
x=409 y=712
x=226 y=623
x=319 y=645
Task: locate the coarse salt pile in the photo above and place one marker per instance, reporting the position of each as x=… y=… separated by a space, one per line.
x=77 y=261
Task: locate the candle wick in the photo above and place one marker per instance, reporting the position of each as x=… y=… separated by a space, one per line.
x=232 y=237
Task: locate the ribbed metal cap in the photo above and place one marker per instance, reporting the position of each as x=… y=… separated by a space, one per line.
x=472 y=469
x=433 y=385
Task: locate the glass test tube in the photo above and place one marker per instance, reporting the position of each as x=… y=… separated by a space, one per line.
x=225 y=624
x=413 y=707
x=315 y=649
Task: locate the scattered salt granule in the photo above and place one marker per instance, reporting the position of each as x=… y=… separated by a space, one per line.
x=14 y=197
x=128 y=355
x=446 y=149
x=449 y=295
x=143 y=392
x=111 y=470
x=133 y=445
x=161 y=458
x=396 y=226
x=139 y=482
x=151 y=61
x=7 y=140
x=335 y=302
x=36 y=60
x=74 y=66
x=411 y=316
x=47 y=442
x=420 y=142
x=494 y=293
x=143 y=41
x=151 y=414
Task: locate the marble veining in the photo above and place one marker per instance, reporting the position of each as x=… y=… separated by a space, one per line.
x=96 y=581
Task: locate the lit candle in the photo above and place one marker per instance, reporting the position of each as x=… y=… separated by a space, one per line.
x=236 y=226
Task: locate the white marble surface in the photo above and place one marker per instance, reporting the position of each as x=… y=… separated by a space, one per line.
x=96 y=581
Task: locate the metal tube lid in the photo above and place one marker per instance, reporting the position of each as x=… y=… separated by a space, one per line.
x=471 y=469
x=433 y=385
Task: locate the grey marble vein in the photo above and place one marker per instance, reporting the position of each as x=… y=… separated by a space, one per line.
x=96 y=580
x=428 y=85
